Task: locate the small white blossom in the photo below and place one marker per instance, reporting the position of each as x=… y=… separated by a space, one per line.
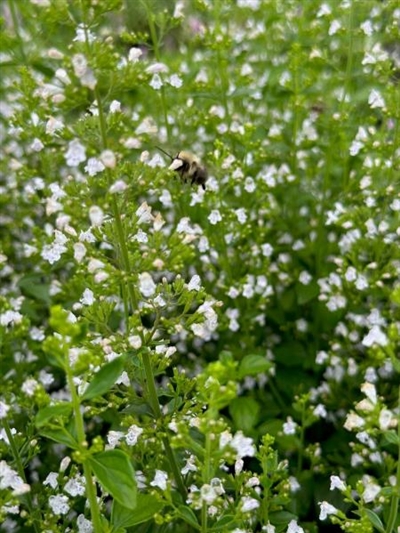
x=59 y=504
x=195 y=283
x=175 y=81
x=289 y=427
x=375 y=336
x=156 y=82
x=79 y=251
x=134 y=54
x=75 y=154
x=96 y=215
x=115 y=106
x=146 y=285
x=29 y=386
x=114 y=438
x=135 y=341
x=214 y=217
x=375 y=99
x=75 y=486
x=371 y=490
x=133 y=434
x=353 y=421
x=326 y=509
x=118 y=187
x=87 y=297
x=4 y=408
x=160 y=480
x=51 y=480
x=293 y=527
x=248 y=504
x=94 y=166
x=337 y=483
x=108 y=158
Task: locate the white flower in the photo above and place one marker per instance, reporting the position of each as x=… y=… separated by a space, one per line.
x=79 y=251
x=10 y=317
x=108 y=158
x=369 y=390
x=114 y=438
x=59 y=504
x=371 y=490
x=385 y=419
x=334 y=27
x=84 y=525
x=208 y=494
x=133 y=434
x=87 y=297
x=375 y=336
x=175 y=81
x=375 y=99
x=243 y=445
x=190 y=466
x=156 y=82
x=241 y=215
x=134 y=54
x=115 y=106
x=76 y=153
x=160 y=480
x=337 y=483
x=195 y=283
x=94 y=166
x=326 y=510
x=249 y=504
x=289 y=427
x=96 y=215
x=214 y=217
x=146 y=284
x=135 y=341
x=29 y=386
x=4 y=408
x=353 y=421
x=37 y=145
x=75 y=486
x=293 y=527
x=51 y=480
x=118 y=187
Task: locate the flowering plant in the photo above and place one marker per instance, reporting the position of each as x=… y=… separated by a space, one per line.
x=181 y=359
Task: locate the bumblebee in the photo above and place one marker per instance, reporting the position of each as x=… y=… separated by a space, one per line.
x=189 y=168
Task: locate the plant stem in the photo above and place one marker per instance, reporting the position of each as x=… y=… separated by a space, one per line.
x=87 y=471
x=21 y=472
x=394 y=504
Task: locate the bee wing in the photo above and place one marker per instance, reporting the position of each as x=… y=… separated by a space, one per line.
x=176 y=164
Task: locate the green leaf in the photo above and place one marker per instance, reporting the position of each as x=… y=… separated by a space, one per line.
x=32 y=286
x=390 y=437
x=52 y=411
x=147 y=506
x=244 y=412
x=223 y=523
x=305 y=293
x=62 y=436
x=105 y=378
x=375 y=520
x=253 y=364
x=188 y=516
x=115 y=472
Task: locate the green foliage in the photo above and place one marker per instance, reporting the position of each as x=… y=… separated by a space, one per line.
x=176 y=359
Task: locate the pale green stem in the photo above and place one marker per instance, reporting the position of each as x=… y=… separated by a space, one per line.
x=81 y=436
x=21 y=473
x=394 y=504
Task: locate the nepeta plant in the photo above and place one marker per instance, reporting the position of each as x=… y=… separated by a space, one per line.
x=175 y=359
